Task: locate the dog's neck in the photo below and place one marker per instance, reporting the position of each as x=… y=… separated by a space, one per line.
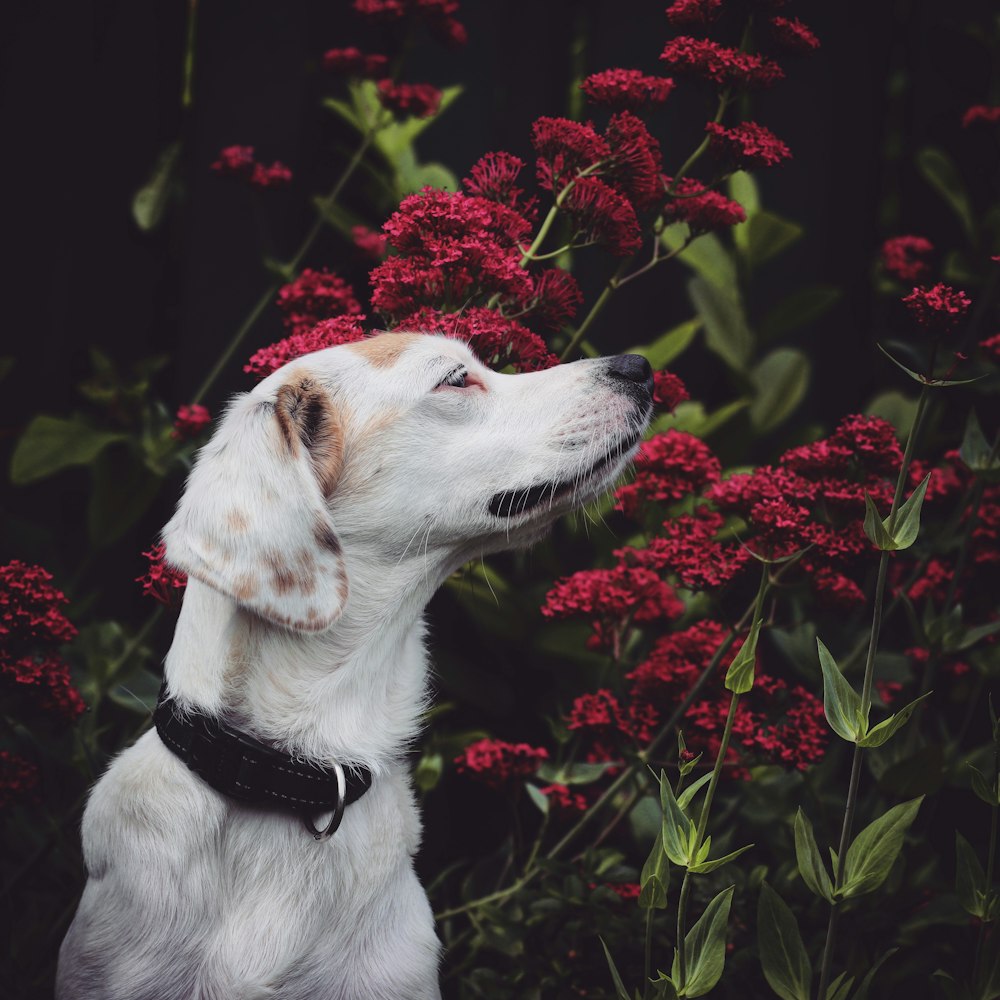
x=353 y=694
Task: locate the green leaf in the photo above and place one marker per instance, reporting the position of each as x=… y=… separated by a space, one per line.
x=976 y=452
x=969 y=638
x=676 y=828
x=706 y=256
x=841 y=702
x=572 y=774
x=840 y=987
x=739 y=676
x=875 y=527
x=937 y=383
x=151 y=200
x=620 y=992
x=865 y=984
x=767 y=236
x=706 y=946
x=138 y=692
x=704 y=867
x=809 y=859
x=797 y=310
x=688 y=794
x=418 y=176
x=428 y=771
x=50 y=444
x=893 y=406
x=970 y=879
x=346 y=112
x=726 y=331
x=780 y=381
x=783 y=957
x=982 y=787
x=663 y=988
x=540 y=801
x=875 y=849
x=743 y=188
x=685 y=766
x=939 y=170
x=124 y=487
x=908 y=516
x=655 y=877
x=885 y=730
x=670 y=346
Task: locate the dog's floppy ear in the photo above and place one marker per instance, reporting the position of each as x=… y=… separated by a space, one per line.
x=253 y=522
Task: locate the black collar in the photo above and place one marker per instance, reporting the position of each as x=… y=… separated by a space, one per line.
x=246 y=769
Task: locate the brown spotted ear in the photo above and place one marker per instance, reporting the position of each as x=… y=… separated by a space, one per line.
x=253 y=521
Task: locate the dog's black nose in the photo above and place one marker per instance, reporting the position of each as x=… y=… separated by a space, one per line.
x=632 y=368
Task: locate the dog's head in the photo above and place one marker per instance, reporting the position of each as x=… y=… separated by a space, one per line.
x=401 y=445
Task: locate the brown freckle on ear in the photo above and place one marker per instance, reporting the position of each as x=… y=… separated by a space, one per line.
x=237 y=520
x=246 y=587
x=282 y=578
x=384 y=350
x=325 y=538
x=342 y=586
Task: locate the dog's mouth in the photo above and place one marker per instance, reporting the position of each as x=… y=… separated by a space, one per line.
x=518 y=502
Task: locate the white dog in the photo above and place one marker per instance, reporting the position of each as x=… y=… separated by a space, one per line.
x=330 y=503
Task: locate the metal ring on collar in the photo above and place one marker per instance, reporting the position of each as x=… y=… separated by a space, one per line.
x=338 y=813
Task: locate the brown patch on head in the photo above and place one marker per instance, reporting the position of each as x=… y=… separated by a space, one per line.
x=238 y=520
x=384 y=350
x=306 y=415
x=325 y=538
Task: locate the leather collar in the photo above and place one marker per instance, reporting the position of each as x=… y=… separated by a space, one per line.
x=244 y=768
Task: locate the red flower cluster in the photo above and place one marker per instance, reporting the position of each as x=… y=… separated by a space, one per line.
x=326 y=333
x=668 y=467
x=991 y=348
x=238 y=161
x=353 y=62
x=18 y=778
x=190 y=422
x=905 y=257
x=418 y=99
x=747 y=145
x=370 y=243
x=668 y=390
x=32 y=627
x=726 y=67
x=684 y=12
x=937 y=309
x=437 y=15
x=496 y=763
x=626 y=89
x=563 y=800
x=494 y=177
x=981 y=114
x=792 y=35
x=314 y=296
x=160 y=581
x=701 y=208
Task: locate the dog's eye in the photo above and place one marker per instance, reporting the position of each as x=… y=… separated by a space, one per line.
x=456 y=379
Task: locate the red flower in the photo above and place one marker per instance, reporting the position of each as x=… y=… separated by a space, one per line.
x=726 y=67
x=494 y=177
x=612 y=595
x=668 y=467
x=636 y=160
x=682 y=12
x=701 y=208
x=554 y=300
x=937 y=309
x=497 y=341
x=748 y=145
x=369 y=242
x=565 y=148
x=18 y=778
x=438 y=15
x=602 y=215
x=676 y=661
x=872 y=443
x=30 y=612
x=835 y=589
x=904 y=257
x=598 y=712
x=981 y=114
x=326 y=333
x=991 y=348
x=316 y=295
x=418 y=99
x=235 y=161
x=933 y=582
x=793 y=36
x=626 y=89
x=495 y=762
x=353 y=62
x=160 y=581
x=276 y=175
x=563 y=800
x=888 y=691
x=190 y=422
x=668 y=390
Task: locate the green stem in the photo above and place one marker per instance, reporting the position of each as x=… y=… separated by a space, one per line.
x=866 y=690
x=595 y=310
x=647 y=964
x=187 y=89
x=685 y=896
x=990 y=865
x=293 y=265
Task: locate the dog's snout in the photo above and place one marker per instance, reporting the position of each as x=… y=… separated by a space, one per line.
x=632 y=368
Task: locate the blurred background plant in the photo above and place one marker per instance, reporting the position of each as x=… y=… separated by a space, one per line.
x=650 y=676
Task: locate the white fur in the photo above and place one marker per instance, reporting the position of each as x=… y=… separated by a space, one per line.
x=195 y=896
